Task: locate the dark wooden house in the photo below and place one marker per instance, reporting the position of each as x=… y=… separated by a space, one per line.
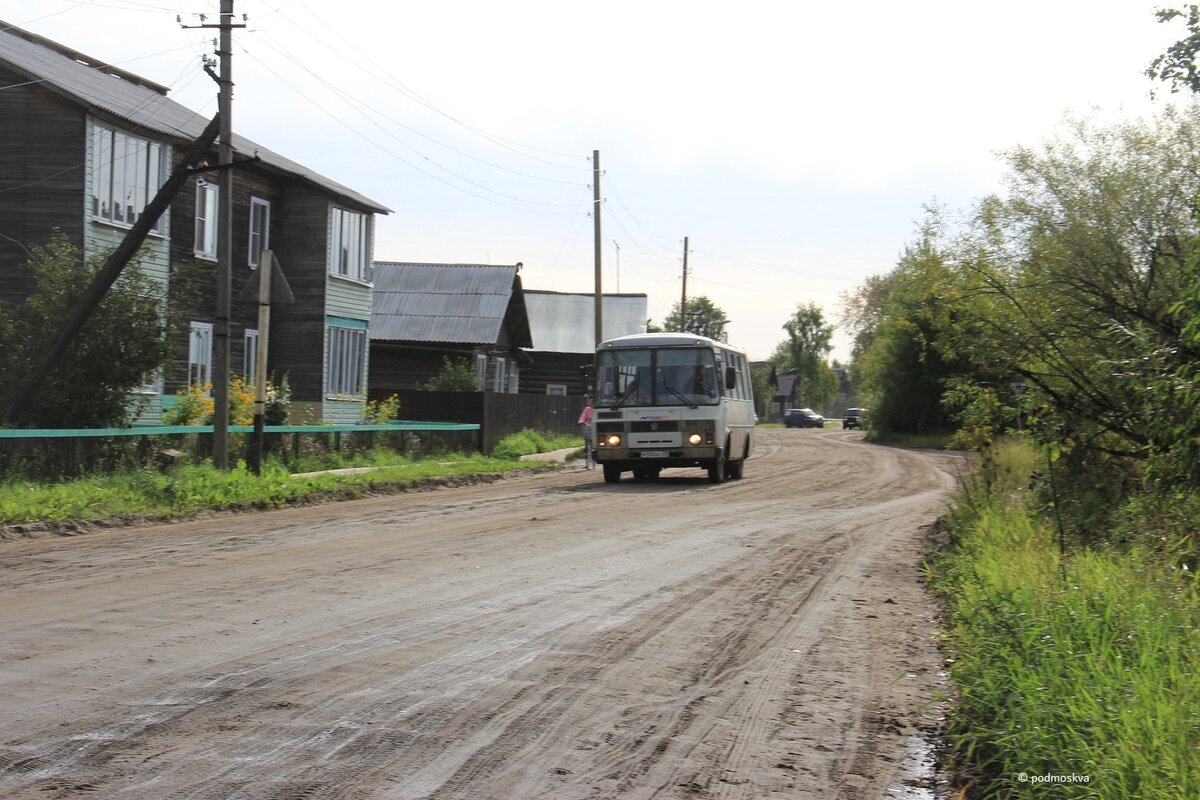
x=85 y=146
x=562 y=326
x=424 y=314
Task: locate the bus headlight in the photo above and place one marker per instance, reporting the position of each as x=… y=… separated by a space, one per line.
x=695 y=439
x=612 y=440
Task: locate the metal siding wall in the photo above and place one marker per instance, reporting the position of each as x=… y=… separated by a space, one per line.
x=341 y=412
x=345 y=298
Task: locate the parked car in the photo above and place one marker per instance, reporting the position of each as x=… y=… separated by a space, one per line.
x=854 y=418
x=802 y=418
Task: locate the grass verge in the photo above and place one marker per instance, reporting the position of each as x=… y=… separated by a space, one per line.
x=151 y=495
x=1077 y=675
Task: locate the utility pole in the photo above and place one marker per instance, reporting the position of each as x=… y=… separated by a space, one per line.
x=220 y=362
x=617 y=245
x=597 y=247
x=683 y=297
x=224 y=245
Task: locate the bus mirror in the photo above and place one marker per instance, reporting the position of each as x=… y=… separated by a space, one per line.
x=730 y=377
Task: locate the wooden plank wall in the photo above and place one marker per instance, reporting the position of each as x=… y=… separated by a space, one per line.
x=41 y=170
x=498 y=415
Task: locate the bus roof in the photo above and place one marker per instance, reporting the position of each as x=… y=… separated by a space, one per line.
x=664 y=340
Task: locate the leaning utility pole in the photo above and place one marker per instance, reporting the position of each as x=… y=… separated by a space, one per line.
x=107 y=275
x=597 y=248
x=683 y=297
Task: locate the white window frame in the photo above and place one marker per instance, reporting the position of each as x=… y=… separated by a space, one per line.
x=350 y=244
x=500 y=379
x=556 y=389
x=250 y=354
x=127 y=171
x=260 y=229
x=346 y=361
x=200 y=345
x=207 y=213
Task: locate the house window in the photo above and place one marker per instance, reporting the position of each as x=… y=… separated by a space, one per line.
x=350 y=244
x=250 y=355
x=347 y=360
x=200 y=354
x=126 y=173
x=260 y=228
x=556 y=389
x=500 y=379
x=206 y=219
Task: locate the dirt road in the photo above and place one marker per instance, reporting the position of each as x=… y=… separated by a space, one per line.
x=549 y=636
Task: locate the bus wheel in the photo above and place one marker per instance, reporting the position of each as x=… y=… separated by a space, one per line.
x=716 y=470
x=611 y=473
x=733 y=469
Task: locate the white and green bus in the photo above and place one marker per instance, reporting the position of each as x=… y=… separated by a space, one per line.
x=665 y=400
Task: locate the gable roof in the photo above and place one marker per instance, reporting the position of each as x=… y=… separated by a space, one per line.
x=564 y=322
x=136 y=102
x=448 y=303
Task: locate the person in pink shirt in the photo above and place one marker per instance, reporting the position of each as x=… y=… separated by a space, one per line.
x=585 y=423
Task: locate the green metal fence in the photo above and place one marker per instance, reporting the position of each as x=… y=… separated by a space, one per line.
x=73 y=451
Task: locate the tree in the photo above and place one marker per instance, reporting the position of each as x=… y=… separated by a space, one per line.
x=124 y=343
x=805 y=353
x=455 y=376
x=1087 y=267
x=701 y=318
x=1177 y=66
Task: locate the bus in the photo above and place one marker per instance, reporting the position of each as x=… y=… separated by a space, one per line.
x=665 y=400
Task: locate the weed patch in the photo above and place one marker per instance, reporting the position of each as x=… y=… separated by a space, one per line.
x=1076 y=674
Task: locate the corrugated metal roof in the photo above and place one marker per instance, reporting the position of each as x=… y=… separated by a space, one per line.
x=142 y=105
x=565 y=323
x=455 y=303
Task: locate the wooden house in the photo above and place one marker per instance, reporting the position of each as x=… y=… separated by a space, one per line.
x=563 y=329
x=424 y=314
x=86 y=145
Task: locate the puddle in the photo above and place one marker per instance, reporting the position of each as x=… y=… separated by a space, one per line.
x=918 y=772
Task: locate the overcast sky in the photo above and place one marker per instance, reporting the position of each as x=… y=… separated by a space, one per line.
x=794 y=143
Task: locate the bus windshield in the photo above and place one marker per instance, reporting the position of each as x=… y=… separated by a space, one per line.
x=657 y=377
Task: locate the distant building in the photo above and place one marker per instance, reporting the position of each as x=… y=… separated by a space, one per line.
x=422 y=314
x=563 y=329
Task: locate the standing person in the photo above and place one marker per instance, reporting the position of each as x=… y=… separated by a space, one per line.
x=585 y=423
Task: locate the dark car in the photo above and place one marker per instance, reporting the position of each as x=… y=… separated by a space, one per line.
x=854 y=418
x=802 y=418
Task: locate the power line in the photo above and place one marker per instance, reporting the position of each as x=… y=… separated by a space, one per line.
x=381 y=74
x=398 y=157
x=270 y=42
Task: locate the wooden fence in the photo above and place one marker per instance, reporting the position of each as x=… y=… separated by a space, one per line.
x=497 y=415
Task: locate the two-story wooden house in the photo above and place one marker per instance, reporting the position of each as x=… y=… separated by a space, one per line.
x=84 y=146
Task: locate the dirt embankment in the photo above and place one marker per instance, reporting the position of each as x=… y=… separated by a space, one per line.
x=547 y=636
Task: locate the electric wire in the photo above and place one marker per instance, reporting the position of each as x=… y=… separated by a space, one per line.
x=393 y=154
x=381 y=74
x=360 y=104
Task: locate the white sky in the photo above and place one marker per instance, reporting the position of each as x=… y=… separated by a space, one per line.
x=794 y=143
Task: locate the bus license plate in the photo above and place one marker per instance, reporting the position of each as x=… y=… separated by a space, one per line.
x=655 y=454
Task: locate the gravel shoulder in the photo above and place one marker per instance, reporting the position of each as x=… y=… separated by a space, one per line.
x=545 y=636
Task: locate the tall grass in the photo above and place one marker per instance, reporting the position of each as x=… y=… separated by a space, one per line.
x=1080 y=672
